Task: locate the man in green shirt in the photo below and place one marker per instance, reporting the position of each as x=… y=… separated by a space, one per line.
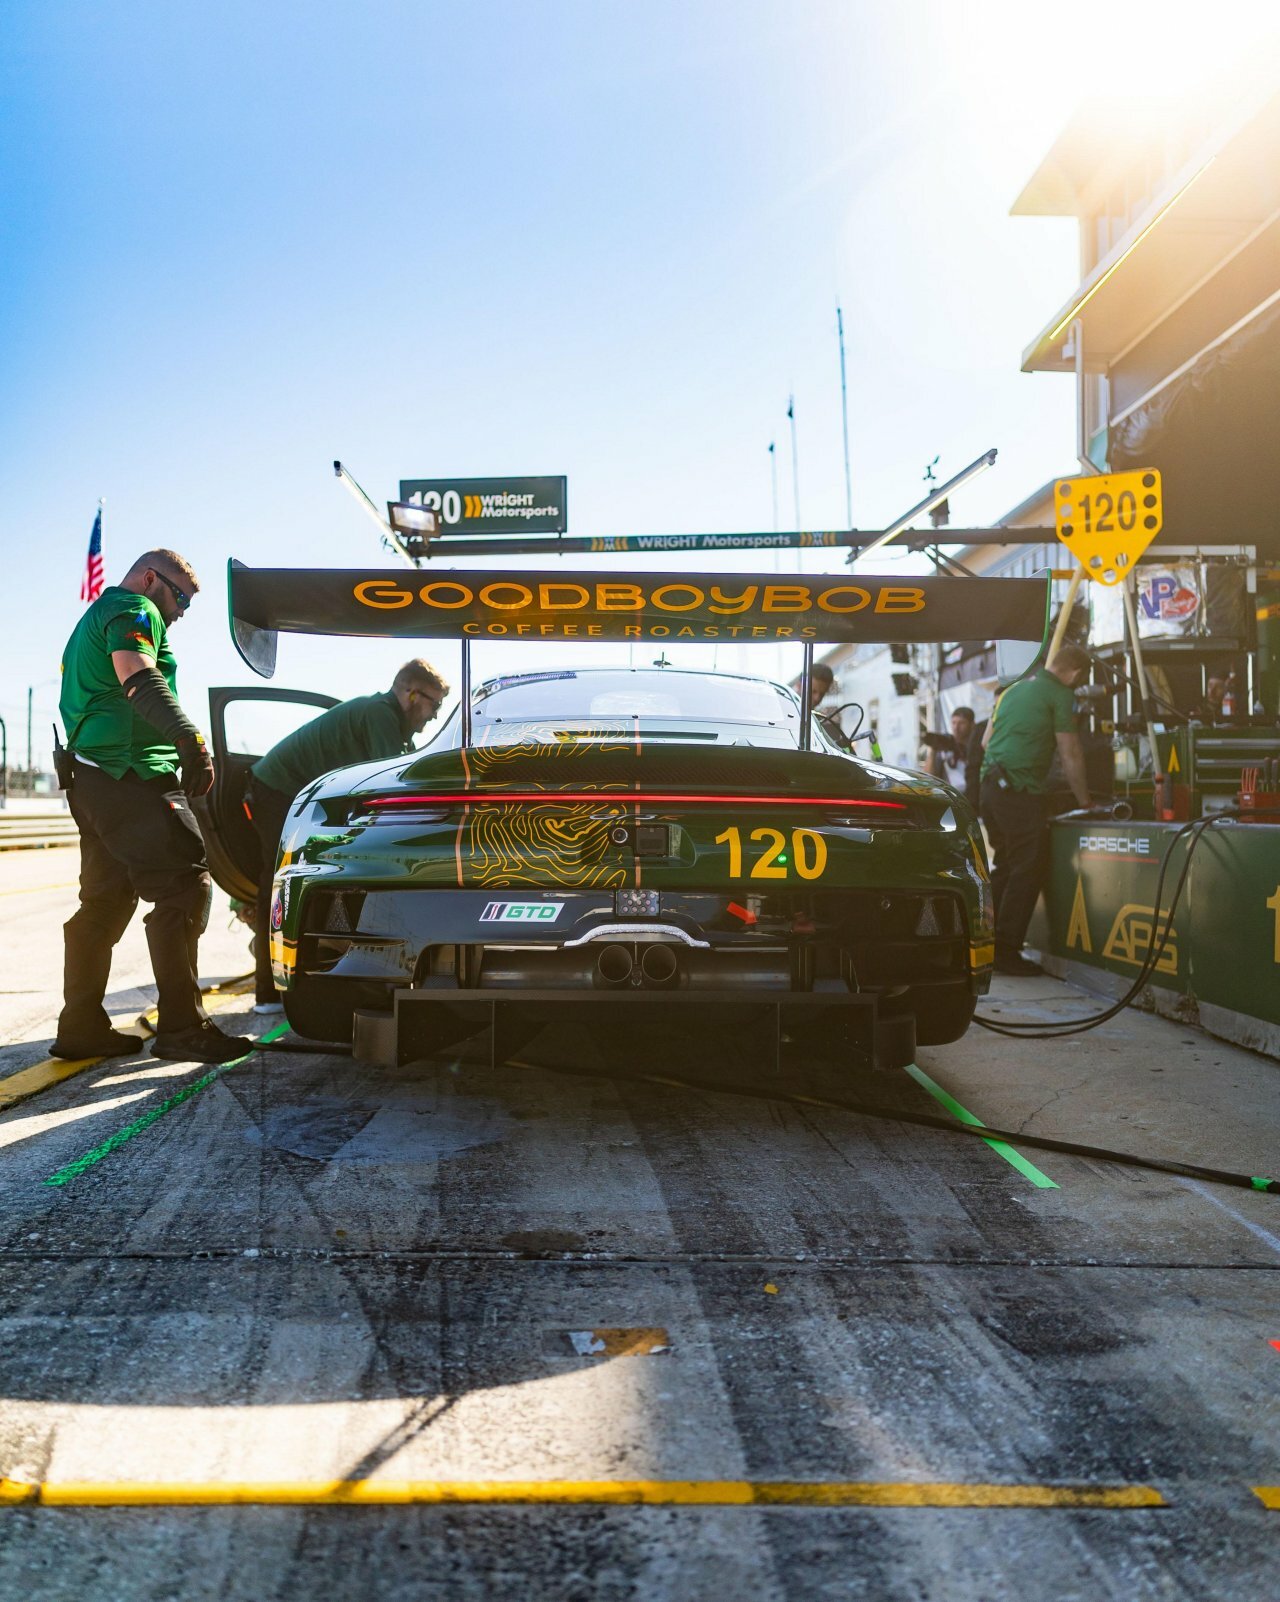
x=127 y=737
x=1033 y=722
x=365 y=729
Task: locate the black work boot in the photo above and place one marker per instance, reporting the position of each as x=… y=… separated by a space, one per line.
x=104 y=1043
x=202 y=1042
x=1015 y=964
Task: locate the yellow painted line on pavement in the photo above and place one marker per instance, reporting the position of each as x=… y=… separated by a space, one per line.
x=28 y=1082
x=31 y=1081
x=666 y=1493
x=35 y=889
x=1268 y=1495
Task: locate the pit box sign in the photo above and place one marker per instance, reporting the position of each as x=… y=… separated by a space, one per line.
x=492 y=505
x=1107 y=520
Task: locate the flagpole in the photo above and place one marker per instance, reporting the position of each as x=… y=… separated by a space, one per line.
x=795 y=458
x=773 y=474
x=844 y=419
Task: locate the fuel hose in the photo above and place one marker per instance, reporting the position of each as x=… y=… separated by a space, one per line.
x=870 y=1109
x=1194 y=832
x=864 y=1109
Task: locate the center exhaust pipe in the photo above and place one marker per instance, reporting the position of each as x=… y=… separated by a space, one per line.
x=658 y=965
x=614 y=965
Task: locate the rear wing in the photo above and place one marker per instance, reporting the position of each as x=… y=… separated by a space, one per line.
x=802 y=608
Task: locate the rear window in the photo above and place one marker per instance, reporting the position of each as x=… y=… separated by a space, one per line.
x=251 y=728
x=634 y=693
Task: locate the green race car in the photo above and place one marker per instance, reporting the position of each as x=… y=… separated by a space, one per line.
x=620 y=839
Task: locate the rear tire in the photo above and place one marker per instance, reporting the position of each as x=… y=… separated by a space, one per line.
x=943 y=1013
x=895 y=1040
x=325 y=1009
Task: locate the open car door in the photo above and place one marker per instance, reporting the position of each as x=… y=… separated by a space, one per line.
x=243 y=725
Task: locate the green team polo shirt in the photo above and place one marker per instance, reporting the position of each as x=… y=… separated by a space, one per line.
x=360 y=730
x=99 y=722
x=1024 y=728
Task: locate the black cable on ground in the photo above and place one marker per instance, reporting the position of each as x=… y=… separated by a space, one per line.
x=302 y=1048
x=1015 y=1030
x=1164 y=1165
x=1039 y=1030
x=865 y=1109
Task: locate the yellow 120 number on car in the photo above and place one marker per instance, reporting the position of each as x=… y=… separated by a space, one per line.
x=808 y=853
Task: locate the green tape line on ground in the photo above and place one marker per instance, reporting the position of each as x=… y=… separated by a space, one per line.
x=1015 y=1159
x=114 y=1142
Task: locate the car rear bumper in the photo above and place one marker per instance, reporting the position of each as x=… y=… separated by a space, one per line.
x=867 y=940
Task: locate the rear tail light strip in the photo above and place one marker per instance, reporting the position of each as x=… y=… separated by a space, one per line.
x=381 y=803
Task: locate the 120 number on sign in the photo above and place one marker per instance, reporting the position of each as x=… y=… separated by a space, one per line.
x=1107 y=520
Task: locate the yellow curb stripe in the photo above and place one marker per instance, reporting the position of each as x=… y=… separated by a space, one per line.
x=28 y=1082
x=31 y=1081
x=1268 y=1495
x=681 y=1493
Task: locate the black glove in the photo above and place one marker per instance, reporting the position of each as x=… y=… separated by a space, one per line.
x=197 y=766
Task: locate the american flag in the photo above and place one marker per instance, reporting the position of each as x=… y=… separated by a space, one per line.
x=91 y=583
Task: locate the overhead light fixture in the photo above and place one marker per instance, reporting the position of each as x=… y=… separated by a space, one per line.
x=390 y=540
x=407 y=519
x=938 y=495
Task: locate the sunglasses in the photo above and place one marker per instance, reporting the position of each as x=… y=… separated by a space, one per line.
x=180 y=596
x=436 y=701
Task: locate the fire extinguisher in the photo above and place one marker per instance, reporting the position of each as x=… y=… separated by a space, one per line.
x=1229 y=697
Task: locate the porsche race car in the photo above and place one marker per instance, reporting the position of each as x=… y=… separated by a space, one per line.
x=647 y=837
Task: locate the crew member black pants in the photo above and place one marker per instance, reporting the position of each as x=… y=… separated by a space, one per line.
x=1018 y=824
x=138 y=840
x=270 y=808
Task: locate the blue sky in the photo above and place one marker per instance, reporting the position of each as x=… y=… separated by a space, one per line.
x=600 y=240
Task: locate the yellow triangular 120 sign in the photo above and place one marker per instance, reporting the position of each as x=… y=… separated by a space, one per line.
x=1107 y=520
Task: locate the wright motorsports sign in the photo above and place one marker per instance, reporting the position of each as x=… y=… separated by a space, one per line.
x=492 y=505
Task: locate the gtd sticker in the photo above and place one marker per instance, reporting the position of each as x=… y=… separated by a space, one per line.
x=277 y=913
x=521 y=912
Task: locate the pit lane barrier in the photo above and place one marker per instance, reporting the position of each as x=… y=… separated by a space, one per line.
x=1157 y=940
x=37 y=831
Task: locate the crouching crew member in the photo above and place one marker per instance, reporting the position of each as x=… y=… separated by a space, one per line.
x=1034 y=720
x=366 y=729
x=127 y=737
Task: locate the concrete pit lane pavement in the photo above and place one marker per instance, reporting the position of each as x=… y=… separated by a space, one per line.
x=446 y=1332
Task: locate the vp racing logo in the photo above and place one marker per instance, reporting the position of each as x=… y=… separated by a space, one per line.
x=521 y=912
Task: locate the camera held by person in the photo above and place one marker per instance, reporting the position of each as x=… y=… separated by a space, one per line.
x=955 y=758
